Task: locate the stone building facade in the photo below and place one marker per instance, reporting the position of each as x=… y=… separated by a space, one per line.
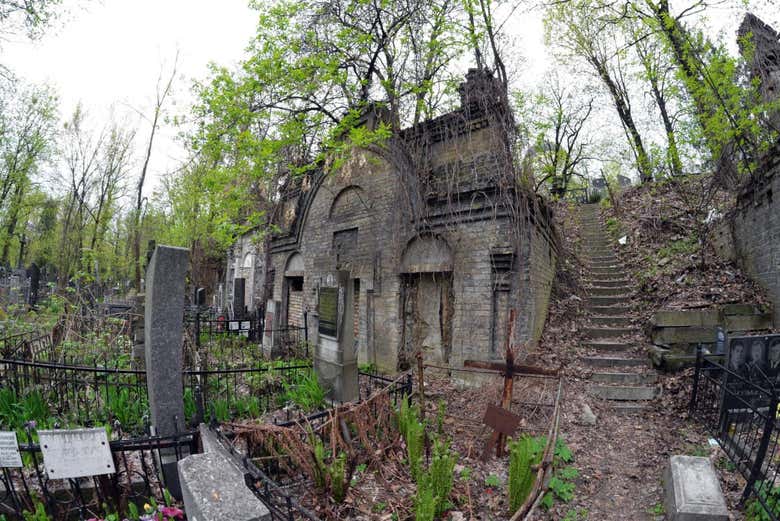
x=438 y=237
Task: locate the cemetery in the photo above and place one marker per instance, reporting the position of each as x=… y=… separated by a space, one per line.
x=391 y=281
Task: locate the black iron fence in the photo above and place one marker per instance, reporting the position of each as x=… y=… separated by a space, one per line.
x=740 y=409
x=135 y=480
x=55 y=394
x=217 y=342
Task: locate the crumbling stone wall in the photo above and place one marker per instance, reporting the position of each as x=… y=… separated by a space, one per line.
x=756 y=228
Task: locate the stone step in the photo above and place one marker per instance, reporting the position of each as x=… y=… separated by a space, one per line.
x=608 y=301
x=611 y=271
x=595 y=333
x=625 y=378
x=614 y=361
x=623 y=393
x=628 y=408
x=604 y=258
x=613 y=265
x=604 y=346
x=608 y=283
x=611 y=311
x=610 y=321
x=607 y=291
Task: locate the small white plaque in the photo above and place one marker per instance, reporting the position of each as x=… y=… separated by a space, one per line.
x=246 y=325
x=76 y=453
x=9 y=450
x=233 y=325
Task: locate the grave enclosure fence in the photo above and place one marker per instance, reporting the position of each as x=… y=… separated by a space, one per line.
x=135 y=480
x=741 y=412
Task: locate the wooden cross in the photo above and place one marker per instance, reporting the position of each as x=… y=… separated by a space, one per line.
x=508 y=370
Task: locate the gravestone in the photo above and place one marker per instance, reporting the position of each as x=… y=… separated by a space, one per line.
x=214 y=487
x=163 y=329
x=238 y=297
x=34 y=272
x=335 y=357
x=693 y=491
x=271 y=344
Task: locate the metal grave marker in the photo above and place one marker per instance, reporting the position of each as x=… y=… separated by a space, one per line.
x=501 y=420
x=9 y=450
x=76 y=453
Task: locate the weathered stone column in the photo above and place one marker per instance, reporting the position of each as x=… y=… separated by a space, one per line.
x=163 y=329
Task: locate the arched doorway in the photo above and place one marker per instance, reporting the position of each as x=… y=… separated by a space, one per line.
x=427 y=303
x=292 y=295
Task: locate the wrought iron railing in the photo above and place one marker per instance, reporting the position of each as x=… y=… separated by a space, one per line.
x=740 y=410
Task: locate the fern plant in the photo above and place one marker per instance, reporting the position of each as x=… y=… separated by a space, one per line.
x=425 y=501
x=413 y=432
x=441 y=473
x=523 y=454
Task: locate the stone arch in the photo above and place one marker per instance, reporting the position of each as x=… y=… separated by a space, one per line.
x=294 y=264
x=352 y=201
x=427 y=253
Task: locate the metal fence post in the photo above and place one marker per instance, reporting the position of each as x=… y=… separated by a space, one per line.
x=696 y=375
x=755 y=471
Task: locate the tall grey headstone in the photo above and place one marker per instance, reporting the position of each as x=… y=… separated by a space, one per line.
x=271 y=340
x=335 y=357
x=163 y=329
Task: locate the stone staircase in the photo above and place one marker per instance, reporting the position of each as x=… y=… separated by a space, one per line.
x=618 y=369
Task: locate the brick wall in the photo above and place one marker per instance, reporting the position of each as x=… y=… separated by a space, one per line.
x=756 y=229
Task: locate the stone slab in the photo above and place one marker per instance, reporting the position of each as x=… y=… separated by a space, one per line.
x=607 y=361
x=607 y=332
x=671 y=318
x=608 y=301
x=684 y=335
x=610 y=321
x=608 y=291
x=749 y=322
x=623 y=392
x=625 y=378
x=612 y=283
x=213 y=486
x=608 y=310
x=611 y=347
x=693 y=491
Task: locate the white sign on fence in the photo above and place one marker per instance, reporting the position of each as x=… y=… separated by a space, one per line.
x=76 y=453
x=9 y=450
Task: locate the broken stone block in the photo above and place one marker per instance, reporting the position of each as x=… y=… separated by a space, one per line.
x=693 y=491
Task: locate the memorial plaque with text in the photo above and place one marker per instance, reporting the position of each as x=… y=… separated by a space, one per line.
x=76 y=453
x=328 y=310
x=9 y=450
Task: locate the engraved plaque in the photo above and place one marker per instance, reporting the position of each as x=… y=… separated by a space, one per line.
x=76 y=453
x=328 y=310
x=9 y=450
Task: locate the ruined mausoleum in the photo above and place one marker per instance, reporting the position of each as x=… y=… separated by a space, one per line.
x=439 y=240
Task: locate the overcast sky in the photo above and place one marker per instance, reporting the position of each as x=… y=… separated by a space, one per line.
x=110 y=53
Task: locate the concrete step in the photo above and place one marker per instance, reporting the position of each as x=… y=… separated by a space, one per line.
x=625 y=378
x=598 y=310
x=612 y=259
x=608 y=301
x=629 y=408
x=608 y=291
x=610 y=321
x=605 y=346
x=595 y=333
x=614 y=361
x=609 y=271
x=623 y=393
x=608 y=283
x=604 y=265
